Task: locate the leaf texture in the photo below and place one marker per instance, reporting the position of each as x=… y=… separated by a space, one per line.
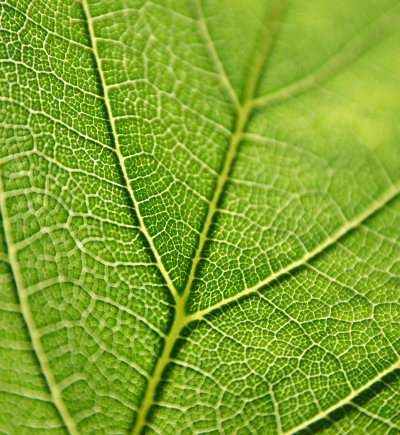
x=200 y=217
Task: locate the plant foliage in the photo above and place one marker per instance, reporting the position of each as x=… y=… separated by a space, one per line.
x=200 y=217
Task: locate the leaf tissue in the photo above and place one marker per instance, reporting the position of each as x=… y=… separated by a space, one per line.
x=200 y=217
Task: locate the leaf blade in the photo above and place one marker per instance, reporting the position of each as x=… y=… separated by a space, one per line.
x=113 y=213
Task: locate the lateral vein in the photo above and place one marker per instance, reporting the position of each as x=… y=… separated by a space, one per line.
x=375 y=33
x=390 y=194
x=205 y=34
x=118 y=152
x=243 y=114
x=344 y=401
x=374 y=416
x=30 y=323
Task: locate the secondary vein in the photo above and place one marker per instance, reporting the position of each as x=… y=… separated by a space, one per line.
x=372 y=35
x=205 y=35
x=390 y=194
x=30 y=323
x=345 y=400
x=119 y=154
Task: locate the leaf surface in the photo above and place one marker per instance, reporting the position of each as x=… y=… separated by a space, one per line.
x=200 y=217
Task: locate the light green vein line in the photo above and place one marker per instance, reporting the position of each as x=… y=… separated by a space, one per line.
x=25 y=392
x=40 y=26
x=372 y=35
x=147 y=401
x=36 y=343
x=381 y=202
x=345 y=400
x=243 y=114
x=81 y=284
x=35 y=152
x=118 y=152
x=271 y=141
x=205 y=35
x=70 y=85
x=56 y=327
x=10 y=306
x=276 y=410
x=55 y=120
x=355 y=292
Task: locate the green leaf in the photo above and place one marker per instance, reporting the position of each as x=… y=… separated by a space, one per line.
x=200 y=217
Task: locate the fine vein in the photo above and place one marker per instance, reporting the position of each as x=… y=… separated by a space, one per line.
x=118 y=151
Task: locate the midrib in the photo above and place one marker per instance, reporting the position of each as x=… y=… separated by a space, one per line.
x=242 y=117
x=243 y=112
x=181 y=319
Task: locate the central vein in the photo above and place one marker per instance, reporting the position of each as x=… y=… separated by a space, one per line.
x=243 y=113
x=180 y=318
